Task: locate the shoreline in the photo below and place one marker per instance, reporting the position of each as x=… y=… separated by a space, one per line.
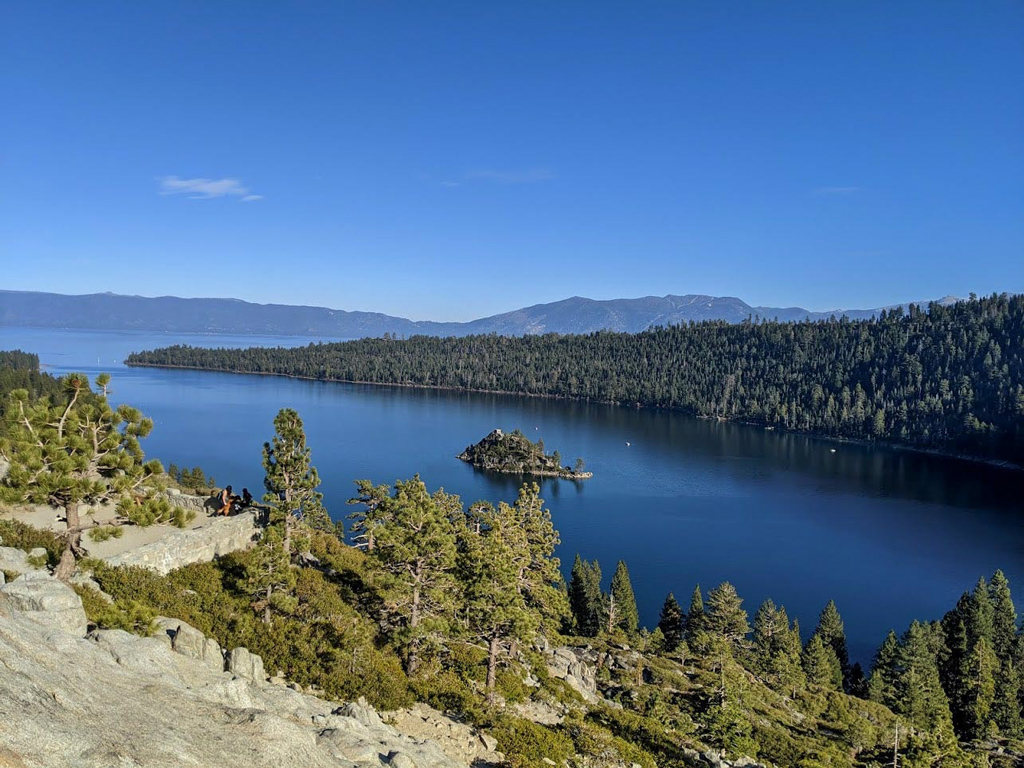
x=531 y=473
x=996 y=463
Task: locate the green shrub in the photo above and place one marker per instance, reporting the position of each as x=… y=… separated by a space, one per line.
x=14 y=533
x=106 y=532
x=509 y=683
x=132 y=617
x=526 y=744
x=154 y=509
x=449 y=692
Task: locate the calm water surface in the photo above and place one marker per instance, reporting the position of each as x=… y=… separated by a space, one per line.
x=890 y=535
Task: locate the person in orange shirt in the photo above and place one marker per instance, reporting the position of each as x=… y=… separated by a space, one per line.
x=225 y=502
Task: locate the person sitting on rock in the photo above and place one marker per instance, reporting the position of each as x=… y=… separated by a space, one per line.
x=246 y=498
x=225 y=502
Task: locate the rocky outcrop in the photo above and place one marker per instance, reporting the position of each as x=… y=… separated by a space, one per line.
x=19 y=561
x=567 y=664
x=217 y=537
x=40 y=598
x=198 y=504
x=714 y=760
x=516 y=454
x=461 y=741
x=118 y=699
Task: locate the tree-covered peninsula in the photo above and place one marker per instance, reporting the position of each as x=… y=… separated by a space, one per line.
x=948 y=378
x=514 y=453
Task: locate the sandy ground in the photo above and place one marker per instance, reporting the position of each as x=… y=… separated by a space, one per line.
x=50 y=518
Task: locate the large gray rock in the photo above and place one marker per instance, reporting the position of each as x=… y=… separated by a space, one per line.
x=216 y=537
x=116 y=699
x=566 y=664
x=198 y=504
x=12 y=559
x=461 y=741
x=40 y=597
x=185 y=639
x=246 y=665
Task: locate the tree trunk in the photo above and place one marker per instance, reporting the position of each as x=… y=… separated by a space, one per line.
x=288 y=535
x=492 y=663
x=266 y=608
x=72 y=543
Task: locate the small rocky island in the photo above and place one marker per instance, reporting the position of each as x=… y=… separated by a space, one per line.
x=514 y=453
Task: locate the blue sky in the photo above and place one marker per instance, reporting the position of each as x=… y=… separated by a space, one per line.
x=452 y=160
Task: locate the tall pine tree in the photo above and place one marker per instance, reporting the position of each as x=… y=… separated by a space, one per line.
x=416 y=550
x=291 y=479
x=833 y=634
x=670 y=622
x=622 y=612
x=585 y=596
x=694 y=622
x=725 y=615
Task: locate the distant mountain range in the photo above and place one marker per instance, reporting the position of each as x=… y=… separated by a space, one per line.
x=109 y=311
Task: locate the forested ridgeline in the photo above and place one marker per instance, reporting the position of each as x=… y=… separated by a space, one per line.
x=20 y=370
x=947 y=377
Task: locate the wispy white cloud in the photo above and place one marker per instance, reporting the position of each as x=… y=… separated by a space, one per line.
x=206 y=189
x=524 y=176
x=494 y=176
x=834 y=191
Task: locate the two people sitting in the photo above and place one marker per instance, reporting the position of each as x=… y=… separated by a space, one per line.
x=231 y=502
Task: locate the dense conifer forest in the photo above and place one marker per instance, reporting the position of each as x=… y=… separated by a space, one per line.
x=947 y=378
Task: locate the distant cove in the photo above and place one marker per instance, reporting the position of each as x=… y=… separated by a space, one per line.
x=890 y=535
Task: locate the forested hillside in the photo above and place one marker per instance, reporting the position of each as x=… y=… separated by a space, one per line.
x=947 y=377
x=20 y=370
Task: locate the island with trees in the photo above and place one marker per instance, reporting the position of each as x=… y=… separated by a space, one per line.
x=514 y=453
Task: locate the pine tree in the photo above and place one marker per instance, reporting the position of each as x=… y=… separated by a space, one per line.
x=693 y=622
x=858 y=681
x=953 y=665
x=416 y=551
x=489 y=566
x=767 y=631
x=1006 y=706
x=725 y=616
x=291 y=480
x=919 y=694
x=1004 y=617
x=539 y=578
x=821 y=665
x=979 y=618
x=269 y=577
x=777 y=648
x=1006 y=709
x=884 y=671
x=373 y=499
x=833 y=634
x=625 y=616
x=979 y=690
x=585 y=598
x=77 y=449
x=670 y=622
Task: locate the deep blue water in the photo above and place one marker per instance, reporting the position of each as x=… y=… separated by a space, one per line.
x=890 y=535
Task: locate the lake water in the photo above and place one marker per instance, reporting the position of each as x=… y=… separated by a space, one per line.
x=890 y=535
